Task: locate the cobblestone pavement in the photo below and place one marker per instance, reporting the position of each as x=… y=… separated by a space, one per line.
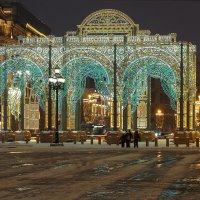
x=59 y=173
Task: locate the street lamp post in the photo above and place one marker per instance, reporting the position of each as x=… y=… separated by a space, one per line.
x=5 y=111
x=57 y=83
x=181 y=90
x=49 y=97
x=115 y=90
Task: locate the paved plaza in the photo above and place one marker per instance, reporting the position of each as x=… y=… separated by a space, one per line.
x=98 y=172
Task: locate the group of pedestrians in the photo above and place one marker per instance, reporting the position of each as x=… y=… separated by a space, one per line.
x=127 y=137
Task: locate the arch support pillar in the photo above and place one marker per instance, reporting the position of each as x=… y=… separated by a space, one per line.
x=5 y=101
x=78 y=116
x=134 y=120
x=125 y=117
x=22 y=112
x=149 y=104
x=64 y=114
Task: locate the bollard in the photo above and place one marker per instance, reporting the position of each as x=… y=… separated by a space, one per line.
x=13 y=137
x=91 y=140
x=74 y=139
x=37 y=139
x=167 y=142
x=108 y=140
x=156 y=142
x=197 y=142
x=3 y=138
x=117 y=140
x=51 y=138
x=187 y=141
x=26 y=139
x=82 y=141
x=61 y=138
x=147 y=141
x=99 y=140
x=176 y=141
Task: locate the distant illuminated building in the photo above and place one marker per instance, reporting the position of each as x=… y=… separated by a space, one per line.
x=95 y=108
x=16 y=21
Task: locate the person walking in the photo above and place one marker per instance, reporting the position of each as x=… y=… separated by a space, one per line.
x=122 y=140
x=136 y=139
x=128 y=137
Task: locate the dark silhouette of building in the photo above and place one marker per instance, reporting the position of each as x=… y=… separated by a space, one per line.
x=15 y=20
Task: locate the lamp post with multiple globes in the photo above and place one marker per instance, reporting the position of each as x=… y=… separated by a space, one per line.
x=57 y=83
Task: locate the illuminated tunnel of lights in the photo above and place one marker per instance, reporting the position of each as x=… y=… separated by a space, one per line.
x=89 y=52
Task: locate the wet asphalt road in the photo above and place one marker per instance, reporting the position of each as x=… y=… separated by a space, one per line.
x=98 y=174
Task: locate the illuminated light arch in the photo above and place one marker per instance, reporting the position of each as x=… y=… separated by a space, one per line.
x=81 y=68
x=34 y=55
x=75 y=53
x=135 y=80
x=24 y=70
x=95 y=40
x=138 y=52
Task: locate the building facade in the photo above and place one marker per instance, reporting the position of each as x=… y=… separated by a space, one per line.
x=16 y=21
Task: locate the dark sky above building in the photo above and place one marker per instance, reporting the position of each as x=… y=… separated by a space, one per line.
x=161 y=16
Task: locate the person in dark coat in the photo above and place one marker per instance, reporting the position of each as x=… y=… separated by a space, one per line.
x=128 y=137
x=122 y=139
x=136 y=138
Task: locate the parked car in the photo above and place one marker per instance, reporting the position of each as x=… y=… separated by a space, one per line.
x=164 y=135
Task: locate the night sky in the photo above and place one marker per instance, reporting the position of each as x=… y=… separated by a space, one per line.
x=162 y=17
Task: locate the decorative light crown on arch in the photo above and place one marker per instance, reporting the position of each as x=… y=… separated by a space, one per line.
x=108 y=21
